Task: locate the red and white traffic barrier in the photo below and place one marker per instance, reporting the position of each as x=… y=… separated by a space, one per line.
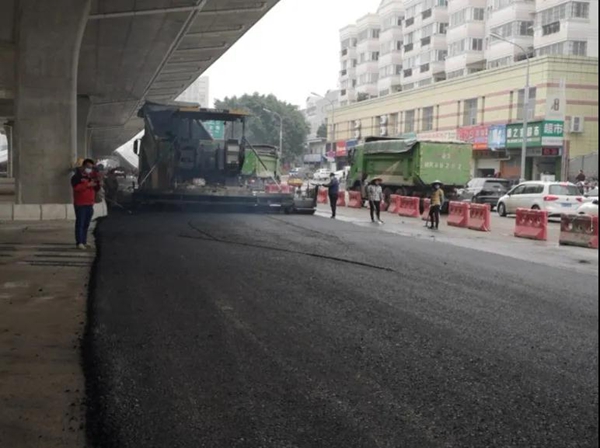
x=480 y=217
x=409 y=207
x=426 y=208
x=579 y=230
x=394 y=204
x=355 y=199
x=322 y=196
x=531 y=224
x=458 y=214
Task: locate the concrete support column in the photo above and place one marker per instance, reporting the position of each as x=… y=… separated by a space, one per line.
x=84 y=106
x=8 y=133
x=49 y=37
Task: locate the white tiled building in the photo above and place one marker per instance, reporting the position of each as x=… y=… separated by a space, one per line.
x=421 y=42
x=391 y=17
x=318 y=109
x=197 y=92
x=368 y=29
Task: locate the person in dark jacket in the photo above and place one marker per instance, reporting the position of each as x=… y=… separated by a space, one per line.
x=333 y=188
x=85 y=186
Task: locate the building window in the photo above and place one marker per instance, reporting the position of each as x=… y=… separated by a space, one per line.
x=428 y=118
x=456 y=74
x=551 y=28
x=479 y=14
x=424 y=68
x=442 y=28
x=477 y=44
x=409 y=22
x=577 y=48
x=580 y=10
x=408 y=47
x=409 y=121
x=470 y=114
x=425 y=41
x=426 y=14
x=408 y=73
x=531 y=108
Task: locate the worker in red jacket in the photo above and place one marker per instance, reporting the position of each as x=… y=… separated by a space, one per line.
x=85 y=186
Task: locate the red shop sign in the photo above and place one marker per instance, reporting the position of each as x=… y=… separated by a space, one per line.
x=476 y=135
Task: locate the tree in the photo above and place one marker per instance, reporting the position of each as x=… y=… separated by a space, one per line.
x=322 y=131
x=263 y=127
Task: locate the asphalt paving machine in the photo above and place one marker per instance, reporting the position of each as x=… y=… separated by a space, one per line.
x=196 y=156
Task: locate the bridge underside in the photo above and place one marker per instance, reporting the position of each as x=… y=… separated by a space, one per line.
x=73 y=74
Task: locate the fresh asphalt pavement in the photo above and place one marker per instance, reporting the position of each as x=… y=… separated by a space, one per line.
x=242 y=330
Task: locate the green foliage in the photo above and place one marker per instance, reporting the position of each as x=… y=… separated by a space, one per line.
x=322 y=131
x=263 y=127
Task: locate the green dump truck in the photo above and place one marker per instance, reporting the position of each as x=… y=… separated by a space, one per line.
x=265 y=168
x=407 y=167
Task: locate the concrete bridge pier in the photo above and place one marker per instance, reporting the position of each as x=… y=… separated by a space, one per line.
x=48 y=40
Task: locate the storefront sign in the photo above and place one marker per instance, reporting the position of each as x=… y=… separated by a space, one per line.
x=340 y=149
x=544 y=152
x=541 y=133
x=497 y=137
x=438 y=135
x=215 y=128
x=476 y=135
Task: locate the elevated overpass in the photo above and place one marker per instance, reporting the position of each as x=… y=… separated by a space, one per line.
x=73 y=74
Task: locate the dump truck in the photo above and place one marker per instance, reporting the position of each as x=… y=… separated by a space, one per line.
x=197 y=156
x=408 y=166
x=256 y=173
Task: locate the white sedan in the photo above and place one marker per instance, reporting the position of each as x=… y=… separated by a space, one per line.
x=589 y=208
x=554 y=197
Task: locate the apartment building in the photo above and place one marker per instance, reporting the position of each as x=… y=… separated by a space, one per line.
x=368 y=29
x=348 y=62
x=566 y=27
x=391 y=14
x=422 y=42
x=318 y=109
x=425 y=45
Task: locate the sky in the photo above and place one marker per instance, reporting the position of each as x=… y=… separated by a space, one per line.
x=291 y=52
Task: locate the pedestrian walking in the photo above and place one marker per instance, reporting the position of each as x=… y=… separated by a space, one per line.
x=333 y=187
x=85 y=186
x=375 y=196
x=580 y=177
x=437 y=199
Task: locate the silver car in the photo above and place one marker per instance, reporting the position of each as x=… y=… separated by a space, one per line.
x=554 y=197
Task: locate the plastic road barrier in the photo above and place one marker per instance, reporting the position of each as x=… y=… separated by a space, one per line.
x=394 y=204
x=409 y=207
x=458 y=214
x=480 y=217
x=341 y=200
x=355 y=199
x=532 y=224
x=579 y=230
x=426 y=208
x=322 y=196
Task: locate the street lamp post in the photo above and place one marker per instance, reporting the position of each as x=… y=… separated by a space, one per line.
x=525 y=104
x=332 y=104
x=280 y=128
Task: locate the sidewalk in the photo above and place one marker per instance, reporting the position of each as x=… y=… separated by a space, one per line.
x=43 y=281
x=499 y=241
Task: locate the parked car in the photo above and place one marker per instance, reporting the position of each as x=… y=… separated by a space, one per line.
x=484 y=191
x=321 y=174
x=591 y=195
x=589 y=208
x=554 y=197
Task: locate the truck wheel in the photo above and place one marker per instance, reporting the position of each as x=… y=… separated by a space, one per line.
x=401 y=191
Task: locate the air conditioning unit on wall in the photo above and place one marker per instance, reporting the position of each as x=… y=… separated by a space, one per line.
x=577 y=125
